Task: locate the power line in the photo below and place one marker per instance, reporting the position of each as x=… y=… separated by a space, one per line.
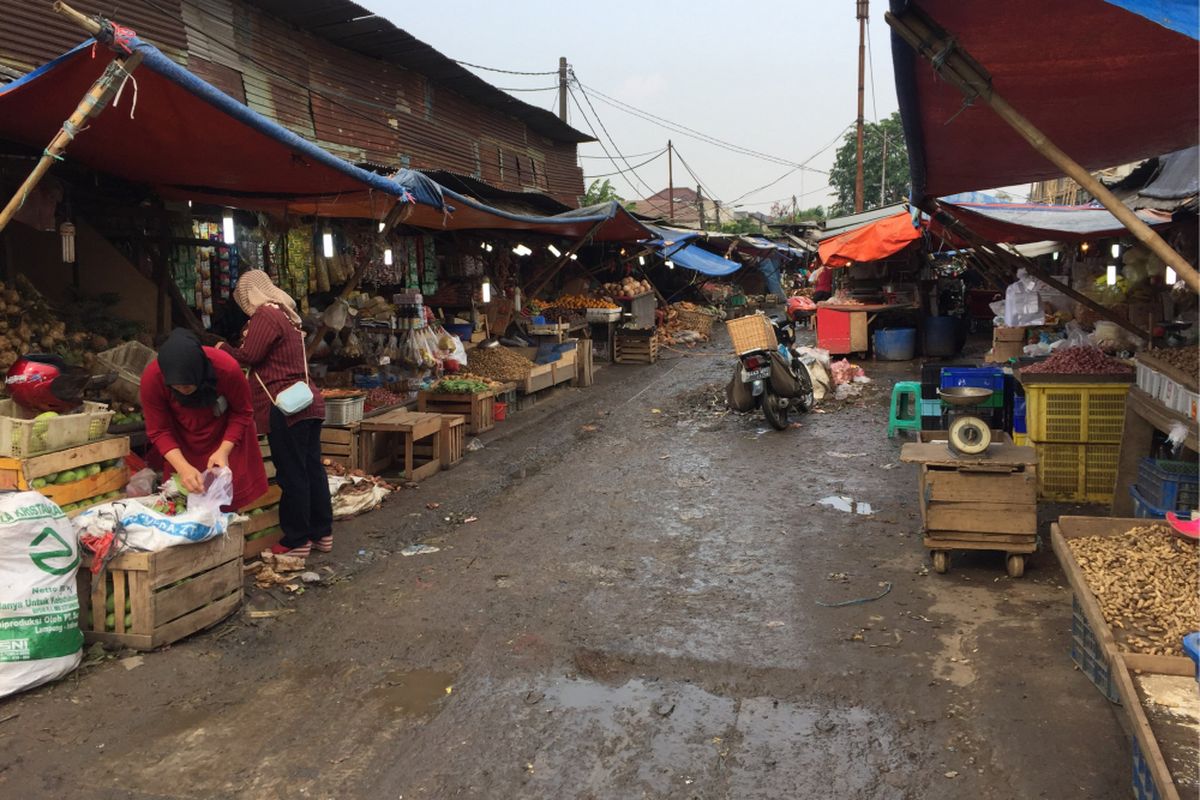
x=711 y=194
x=632 y=155
x=609 y=135
x=505 y=71
x=692 y=133
x=522 y=89
x=871 y=67
x=657 y=156
x=797 y=168
x=600 y=141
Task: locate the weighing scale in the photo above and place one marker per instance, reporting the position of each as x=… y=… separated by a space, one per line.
x=969 y=434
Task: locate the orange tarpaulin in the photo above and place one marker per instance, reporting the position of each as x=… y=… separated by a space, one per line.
x=871 y=242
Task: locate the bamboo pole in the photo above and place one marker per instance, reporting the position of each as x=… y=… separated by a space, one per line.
x=952 y=63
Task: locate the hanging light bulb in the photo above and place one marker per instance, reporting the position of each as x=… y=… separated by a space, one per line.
x=522 y=250
x=1083 y=248
x=67 y=230
x=483 y=246
x=1054 y=255
x=189 y=203
x=670 y=264
x=490 y=248
x=387 y=257
x=382 y=225
x=230 y=236
x=642 y=260
x=1171 y=277
x=327 y=244
x=1112 y=275
x=554 y=250
x=574 y=257
x=1116 y=251
x=487 y=290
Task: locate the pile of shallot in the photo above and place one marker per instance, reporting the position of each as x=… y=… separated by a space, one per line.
x=1078 y=361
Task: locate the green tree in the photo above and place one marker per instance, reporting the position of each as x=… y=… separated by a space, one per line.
x=782 y=212
x=601 y=192
x=743 y=225
x=841 y=176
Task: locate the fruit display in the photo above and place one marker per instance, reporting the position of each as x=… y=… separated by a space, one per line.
x=1145 y=582
x=628 y=287
x=1184 y=359
x=581 y=302
x=127 y=415
x=382 y=398
x=1078 y=361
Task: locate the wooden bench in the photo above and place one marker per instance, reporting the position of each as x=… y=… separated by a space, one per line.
x=386 y=437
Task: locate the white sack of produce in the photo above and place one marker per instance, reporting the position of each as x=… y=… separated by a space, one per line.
x=40 y=639
x=354 y=495
x=148 y=529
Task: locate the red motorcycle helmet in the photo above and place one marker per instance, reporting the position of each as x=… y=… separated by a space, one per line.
x=39 y=382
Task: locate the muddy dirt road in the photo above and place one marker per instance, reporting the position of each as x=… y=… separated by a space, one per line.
x=636 y=613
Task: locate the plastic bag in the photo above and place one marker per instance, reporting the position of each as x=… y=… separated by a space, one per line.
x=40 y=639
x=1022 y=303
x=142 y=483
x=142 y=527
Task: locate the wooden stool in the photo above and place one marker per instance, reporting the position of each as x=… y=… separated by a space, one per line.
x=412 y=427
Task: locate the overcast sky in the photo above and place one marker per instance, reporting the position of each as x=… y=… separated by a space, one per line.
x=778 y=77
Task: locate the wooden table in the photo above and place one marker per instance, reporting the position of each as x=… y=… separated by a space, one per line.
x=982 y=502
x=844 y=329
x=1143 y=416
x=378 y=453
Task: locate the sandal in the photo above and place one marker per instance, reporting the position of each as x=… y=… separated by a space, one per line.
x=280 y=549
x=324 y=544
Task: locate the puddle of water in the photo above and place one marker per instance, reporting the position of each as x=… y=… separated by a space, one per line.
x=845 y=503
x=415 y=693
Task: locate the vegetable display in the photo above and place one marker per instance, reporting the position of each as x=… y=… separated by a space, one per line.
x=1145 y=581
x=460 y=386
x=1185 y=359
x=581 y=302
x=1078 y=361
x=629 y=287
x=500 y=364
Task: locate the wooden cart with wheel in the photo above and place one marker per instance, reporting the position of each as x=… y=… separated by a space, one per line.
x=986 y=501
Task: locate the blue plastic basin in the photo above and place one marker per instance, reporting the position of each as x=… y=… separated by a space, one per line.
x=895 y=344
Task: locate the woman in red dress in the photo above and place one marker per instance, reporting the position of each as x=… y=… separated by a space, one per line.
x=199 y=416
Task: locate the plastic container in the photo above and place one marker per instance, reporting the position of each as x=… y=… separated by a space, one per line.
x=895 y=344
x=941 y=336
x=1076 y=473
x=461 y=330
x=1082 y=413
x=979 y=378
x=128 y=361
x=344 y=410
x=1088 y=654
x=1169 y=485
x=1144 y=510
x=21 y=436
x=1019 y=414
x=499 y=411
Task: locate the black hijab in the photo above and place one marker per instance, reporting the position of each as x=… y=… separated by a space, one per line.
x=183 y=362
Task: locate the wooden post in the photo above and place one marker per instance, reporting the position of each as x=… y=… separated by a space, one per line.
x=861 y=14
x=97 y=97
x=562 y=261
x=670 y=183
x=955 y=65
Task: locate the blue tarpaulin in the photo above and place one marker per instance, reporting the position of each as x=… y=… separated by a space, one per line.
x=682 y=248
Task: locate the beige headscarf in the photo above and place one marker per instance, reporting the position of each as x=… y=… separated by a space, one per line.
x=254 y=288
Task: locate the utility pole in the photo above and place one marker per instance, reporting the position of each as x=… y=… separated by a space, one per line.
x=883 y=170
x=562 y=89
x=700 y=205
x=717 y=213
x=670 y=183
x=861 y=6
x=795 y=212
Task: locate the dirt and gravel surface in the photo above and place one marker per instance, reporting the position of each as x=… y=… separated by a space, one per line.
x=643 y=608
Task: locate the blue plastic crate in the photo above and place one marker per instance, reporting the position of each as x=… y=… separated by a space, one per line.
x=1142 y=509
x=1019 y=414
x=1143 y=778
x=1089 y=656
x=931 y=408
x=1169 y=485
x=981 y=377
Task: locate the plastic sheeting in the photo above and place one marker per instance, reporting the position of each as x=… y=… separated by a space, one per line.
x=1017 y=223
x=1107 y=85
x=173 y=131
x=874 y=241
x=682 y=249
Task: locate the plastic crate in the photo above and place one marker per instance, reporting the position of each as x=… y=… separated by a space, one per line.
x=1019 y=405
x=344 y=410
x=22 y=436
x=1143 y=776
x=1080 y=413
x=1142 y=509
x=1088 y=654
x=1076 y=473
x=1169 y=485
x=978 y=377
x=128 y=361
x=602 y=314
x=1149 y=380
x=1020 y=439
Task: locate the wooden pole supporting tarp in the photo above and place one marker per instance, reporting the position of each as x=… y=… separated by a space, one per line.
x=95 y=101
x=562 y=261
x=955 y=65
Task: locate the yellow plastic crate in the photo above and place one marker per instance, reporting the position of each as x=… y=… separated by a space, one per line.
x=1076 y=473
x=1078 y=413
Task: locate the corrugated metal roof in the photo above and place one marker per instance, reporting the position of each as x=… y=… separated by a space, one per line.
x=353 y=27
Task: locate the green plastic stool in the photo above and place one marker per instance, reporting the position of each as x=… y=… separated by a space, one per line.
x=902 y=390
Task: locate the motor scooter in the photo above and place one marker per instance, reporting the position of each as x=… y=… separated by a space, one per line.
x=778 y=379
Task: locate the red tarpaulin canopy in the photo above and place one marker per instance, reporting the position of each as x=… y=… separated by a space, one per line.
x=1107 y=85
x=872 y=242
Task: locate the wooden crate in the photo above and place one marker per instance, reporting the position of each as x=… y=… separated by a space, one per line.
x=477 y=409
x=252 y=532
x=21 y=473
x=563 y=370
x=452 y=441
x=986 y=502
x=172 y=593
x=341 y=445
x=585 y=367
x=1155 y=746
x=394 y=436
x=635 y=349
x=540 y=377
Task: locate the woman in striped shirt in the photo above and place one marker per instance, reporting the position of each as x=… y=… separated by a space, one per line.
x=273 y=349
